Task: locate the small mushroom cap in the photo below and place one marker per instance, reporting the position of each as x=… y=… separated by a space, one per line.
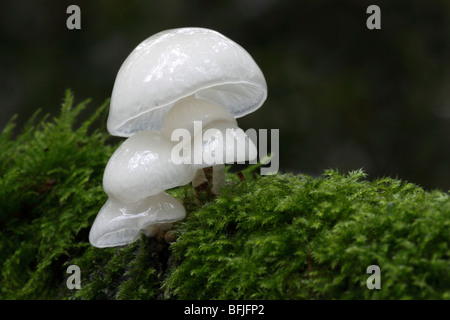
x=119 y=223
x=235 y=145
x=187 y=110
x=177 y=63
x=142 y=167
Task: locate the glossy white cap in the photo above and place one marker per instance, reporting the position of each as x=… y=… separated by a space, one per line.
x=228 y=140
x=120 y=223
x=142 y=167
x=188 y=110
x=217 y=132
x=177 y=63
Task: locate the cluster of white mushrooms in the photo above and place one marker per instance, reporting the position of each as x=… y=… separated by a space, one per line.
x=170 y=81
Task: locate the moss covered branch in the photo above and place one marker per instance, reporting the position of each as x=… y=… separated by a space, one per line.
x=273 y=237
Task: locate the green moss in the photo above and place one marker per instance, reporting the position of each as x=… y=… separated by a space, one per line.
x=273 y=237
x=298 y=237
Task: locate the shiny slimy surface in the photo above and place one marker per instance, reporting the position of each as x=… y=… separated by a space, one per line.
x=177 y=63
x=226 y=143
x=119 y=223
x=142 y=167
x=219 y=133
x=190 y=109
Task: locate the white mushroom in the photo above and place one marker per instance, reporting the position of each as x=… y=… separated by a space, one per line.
x=135 y=179
x=223 y=83
x=120 y=223
x=224 y=137
x=142 y=166
x=178 y=63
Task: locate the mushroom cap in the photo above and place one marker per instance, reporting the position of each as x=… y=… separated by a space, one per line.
x=142 y=166
x=119 y=223
x=189 y=109
x=177 y=63
x=233 y=143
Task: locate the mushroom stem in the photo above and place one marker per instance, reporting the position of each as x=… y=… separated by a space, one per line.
x=199 y=178
x=218 y=178
x=209 y=179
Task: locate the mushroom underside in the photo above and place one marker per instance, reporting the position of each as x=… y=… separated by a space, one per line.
x=119 y=223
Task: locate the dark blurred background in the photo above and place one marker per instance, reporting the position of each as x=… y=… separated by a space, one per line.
x=343 y=96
